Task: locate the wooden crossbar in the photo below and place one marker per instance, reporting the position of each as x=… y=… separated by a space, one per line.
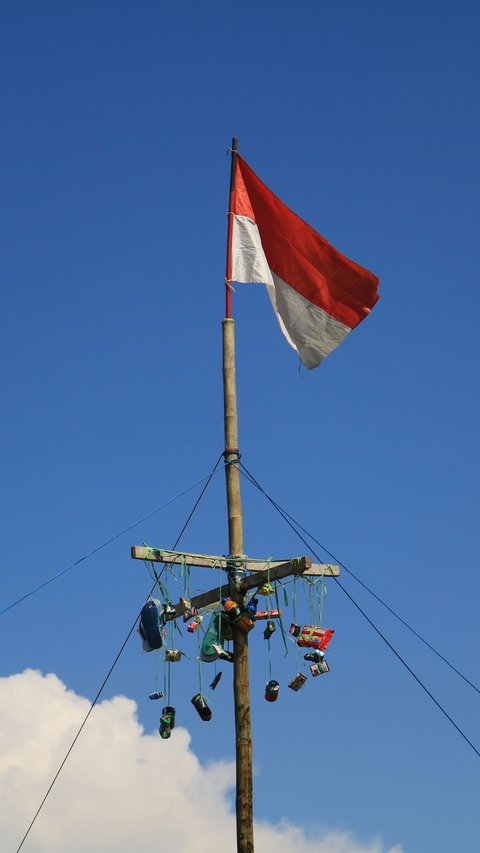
x=213 y=596
x=209 y=561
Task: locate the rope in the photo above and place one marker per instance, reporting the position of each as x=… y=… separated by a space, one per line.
x=374 y=626
x=199 y=644
x=112 y=539
x=390 y=609
x=122 y=647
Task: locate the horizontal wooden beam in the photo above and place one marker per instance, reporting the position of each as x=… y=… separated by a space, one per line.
x=213 y=596
x=209 y=561
x=281 y=570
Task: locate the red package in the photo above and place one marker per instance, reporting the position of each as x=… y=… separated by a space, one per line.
x=313 y=637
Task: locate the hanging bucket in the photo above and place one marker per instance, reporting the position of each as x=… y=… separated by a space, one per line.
x=271 y=690
x=200 y=704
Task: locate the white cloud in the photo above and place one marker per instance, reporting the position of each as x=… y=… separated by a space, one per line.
x=121 y=789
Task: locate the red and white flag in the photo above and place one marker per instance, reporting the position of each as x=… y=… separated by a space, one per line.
x=317 y=293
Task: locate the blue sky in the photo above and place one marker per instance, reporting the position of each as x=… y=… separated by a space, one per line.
x=364 y=119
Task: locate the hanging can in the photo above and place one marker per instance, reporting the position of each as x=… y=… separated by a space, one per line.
x=165 y=728
x=244 y=623
x=201 y=706
x=294 y=630
x=168 y=613
x=271 y=690
x=169 y=711
x=315 y=656
x=231 y=608
x=269 y=630
x=157 y=694
x=298 y=682
x=192 y=627
x=172 y=655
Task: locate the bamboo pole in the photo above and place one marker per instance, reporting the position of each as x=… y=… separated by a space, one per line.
x=241 y=685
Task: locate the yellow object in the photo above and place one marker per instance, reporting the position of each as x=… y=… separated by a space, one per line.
x=266 y=589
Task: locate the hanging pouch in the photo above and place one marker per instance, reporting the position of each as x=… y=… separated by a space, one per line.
x=150 y=627
x=214 y=638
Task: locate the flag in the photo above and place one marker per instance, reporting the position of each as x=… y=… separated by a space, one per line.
x=318 y=294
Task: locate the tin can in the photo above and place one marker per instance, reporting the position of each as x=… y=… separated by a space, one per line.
x=157 y=694
x=201 y=706
x=269 y=630
x=231 y=608
x=168 y=612
x=165 y=728
x=298 y=682
x=244 y=623
x=315 y=656
x=271 y=690
x=294 y=630
x=169 y=712
x=172 y=655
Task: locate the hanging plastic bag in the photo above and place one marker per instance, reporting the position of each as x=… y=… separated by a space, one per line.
x=150 y=627
x=214 y=638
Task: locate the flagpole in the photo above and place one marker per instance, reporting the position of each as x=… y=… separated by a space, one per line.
x=241 y=686
x=228 y=272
